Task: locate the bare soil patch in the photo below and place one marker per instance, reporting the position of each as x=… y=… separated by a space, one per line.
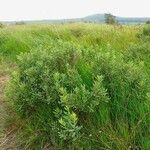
x=7 y=133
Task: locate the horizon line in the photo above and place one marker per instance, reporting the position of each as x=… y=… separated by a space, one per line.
x=59 y=19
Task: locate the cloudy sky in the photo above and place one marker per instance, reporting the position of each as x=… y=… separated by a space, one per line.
x=58 y=9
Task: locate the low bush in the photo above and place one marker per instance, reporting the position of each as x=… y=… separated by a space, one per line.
x=146 y=30
x=145 y=34
x=148 y=22
x=75 y=98
x=138 y=52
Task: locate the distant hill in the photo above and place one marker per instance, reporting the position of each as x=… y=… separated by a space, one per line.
x=97 y=18
x=100 y=18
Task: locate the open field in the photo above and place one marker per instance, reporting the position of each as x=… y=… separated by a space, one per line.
x=75 y=87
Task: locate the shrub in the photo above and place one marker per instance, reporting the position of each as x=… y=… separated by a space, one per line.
x=148 y=22
x=138 y=52
x=146 y=30
x=75 y=98
x=145 y=34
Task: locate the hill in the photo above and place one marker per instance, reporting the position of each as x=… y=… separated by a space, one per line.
x=96 y=18
x=100 y=18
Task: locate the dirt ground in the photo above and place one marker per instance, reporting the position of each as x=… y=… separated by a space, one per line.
x=7 y=132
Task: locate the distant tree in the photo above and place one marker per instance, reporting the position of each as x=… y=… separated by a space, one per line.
x=110 y=19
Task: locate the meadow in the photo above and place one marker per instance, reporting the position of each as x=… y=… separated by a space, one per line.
x=77 y=86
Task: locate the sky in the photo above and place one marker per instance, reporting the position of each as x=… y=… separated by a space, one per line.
x=15 y=10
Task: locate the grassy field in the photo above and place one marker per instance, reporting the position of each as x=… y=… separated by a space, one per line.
x=17 y=39
x=75 y=87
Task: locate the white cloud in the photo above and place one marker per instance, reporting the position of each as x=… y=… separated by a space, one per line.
x=56 y=9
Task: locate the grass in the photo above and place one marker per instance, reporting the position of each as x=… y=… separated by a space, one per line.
x=17 y=39
x=78 y=86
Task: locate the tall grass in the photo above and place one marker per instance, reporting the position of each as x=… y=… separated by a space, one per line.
x=17 y=39
x=79 y=86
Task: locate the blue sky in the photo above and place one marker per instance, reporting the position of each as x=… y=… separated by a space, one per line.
x=58 y=9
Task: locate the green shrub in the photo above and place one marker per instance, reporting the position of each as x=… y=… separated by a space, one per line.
x=138 y=52
x=148 y=22
x=146 y=30
x=144 y=35
x=75 y=98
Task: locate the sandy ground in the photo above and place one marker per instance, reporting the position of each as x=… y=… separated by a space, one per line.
x=7 y=134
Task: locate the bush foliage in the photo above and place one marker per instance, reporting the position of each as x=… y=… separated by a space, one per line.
x=146 y=30
x=72 y=97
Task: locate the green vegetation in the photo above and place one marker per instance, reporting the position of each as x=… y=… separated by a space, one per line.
x=1 y=25
x=17 y=39
x=79 y=86
x=148 y=22
x=110 y=19
x=20 y=23
x=146 y=30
